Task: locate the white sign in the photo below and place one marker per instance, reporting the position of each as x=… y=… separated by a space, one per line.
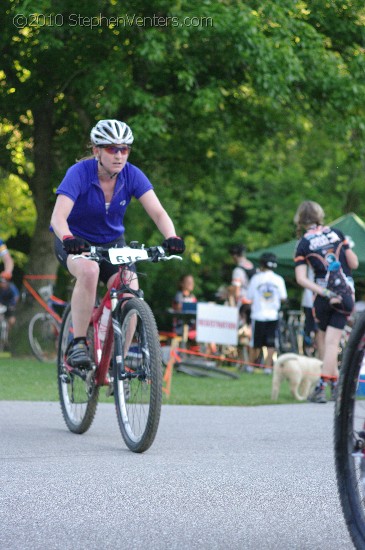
x=126 y=255
x=218 y=324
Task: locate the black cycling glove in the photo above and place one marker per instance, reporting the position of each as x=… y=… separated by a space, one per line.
x=174 y=245
x=74 y=245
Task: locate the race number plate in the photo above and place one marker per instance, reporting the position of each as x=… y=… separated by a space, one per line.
x=126 y=255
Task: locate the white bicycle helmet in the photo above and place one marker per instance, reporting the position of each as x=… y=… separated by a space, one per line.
x=108 y=132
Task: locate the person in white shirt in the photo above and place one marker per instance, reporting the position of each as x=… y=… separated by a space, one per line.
x=267 y=291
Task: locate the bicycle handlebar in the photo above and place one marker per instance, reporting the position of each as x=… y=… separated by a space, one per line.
x=127 y=254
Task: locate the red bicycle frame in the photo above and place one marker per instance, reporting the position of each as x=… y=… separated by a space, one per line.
x=102 y=353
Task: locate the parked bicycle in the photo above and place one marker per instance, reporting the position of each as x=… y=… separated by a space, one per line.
x=290 y=328
x=44 y=327
x=128 y=362
x=349 y=433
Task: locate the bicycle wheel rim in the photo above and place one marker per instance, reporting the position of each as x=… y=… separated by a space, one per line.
x=349 y=431
x=78 y=397
x=43 y=334
x=138 y=398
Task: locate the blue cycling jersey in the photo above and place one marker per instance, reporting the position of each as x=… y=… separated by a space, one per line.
x=90 y=218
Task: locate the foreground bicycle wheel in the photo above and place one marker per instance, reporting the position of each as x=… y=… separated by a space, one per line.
x=42 y=332
x=78 y=397
x=137 y=374
x=349 y=434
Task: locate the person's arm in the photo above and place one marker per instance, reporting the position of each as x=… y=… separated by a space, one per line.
x=303 y=280
x=352 y=259
x=8 y=266
x=61 y=212
x=158 y=214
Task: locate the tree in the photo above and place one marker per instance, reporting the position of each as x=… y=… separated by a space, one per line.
x=226 y=110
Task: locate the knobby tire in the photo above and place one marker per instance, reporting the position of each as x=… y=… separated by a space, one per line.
x=78 y=398
x=42 y=335
x=137 y=352
x=349 y=422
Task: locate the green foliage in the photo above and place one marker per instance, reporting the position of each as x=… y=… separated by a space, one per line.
x=240 y=110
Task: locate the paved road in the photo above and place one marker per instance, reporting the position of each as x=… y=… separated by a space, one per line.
x=215 y=478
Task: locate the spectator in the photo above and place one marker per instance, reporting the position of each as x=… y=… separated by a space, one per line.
x=9 y=296
x=185 y=295
x=7 y=273
x=325 y=248
x=267 y=291
x=241 y=275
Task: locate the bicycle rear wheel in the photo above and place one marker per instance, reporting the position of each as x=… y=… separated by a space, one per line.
x=349 y=434
x=78 y=396
x=137 y=365
x=42 y=333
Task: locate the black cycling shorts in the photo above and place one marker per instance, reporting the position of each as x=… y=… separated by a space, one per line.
x=327 y=316
x=106 y=269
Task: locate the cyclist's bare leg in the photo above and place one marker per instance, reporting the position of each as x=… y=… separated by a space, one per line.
x=320 y=343
x=131 y=279
x=84 y=293
x=330 y=355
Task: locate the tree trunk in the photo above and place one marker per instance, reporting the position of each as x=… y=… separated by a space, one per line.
x=42 y=260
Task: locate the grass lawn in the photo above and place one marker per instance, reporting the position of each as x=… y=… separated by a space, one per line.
x=28 y=379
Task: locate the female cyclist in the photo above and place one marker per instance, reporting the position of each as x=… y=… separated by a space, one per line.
x=319 y=246
x=90 y=208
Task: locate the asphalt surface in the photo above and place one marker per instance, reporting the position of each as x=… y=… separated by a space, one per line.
x=215 y=478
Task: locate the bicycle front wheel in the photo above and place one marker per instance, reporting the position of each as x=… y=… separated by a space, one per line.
x=42 y=333
x=78 y=397
x=349 y=434
x=137 y=374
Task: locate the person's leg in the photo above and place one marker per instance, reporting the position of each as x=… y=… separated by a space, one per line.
x=321 y=343
x=255 y=345
x=330 y=355
x=269 y=361
x=84 y=293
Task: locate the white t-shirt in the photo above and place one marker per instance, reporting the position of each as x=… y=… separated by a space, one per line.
x=266 y=289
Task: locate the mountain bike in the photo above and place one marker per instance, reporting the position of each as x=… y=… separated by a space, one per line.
x=128 y=362
x=349 y=433
x=44 y=327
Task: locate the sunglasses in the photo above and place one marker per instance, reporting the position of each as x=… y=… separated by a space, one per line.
x=115 y=150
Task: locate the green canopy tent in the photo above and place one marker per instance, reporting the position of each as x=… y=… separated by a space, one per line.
x=350 y=225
